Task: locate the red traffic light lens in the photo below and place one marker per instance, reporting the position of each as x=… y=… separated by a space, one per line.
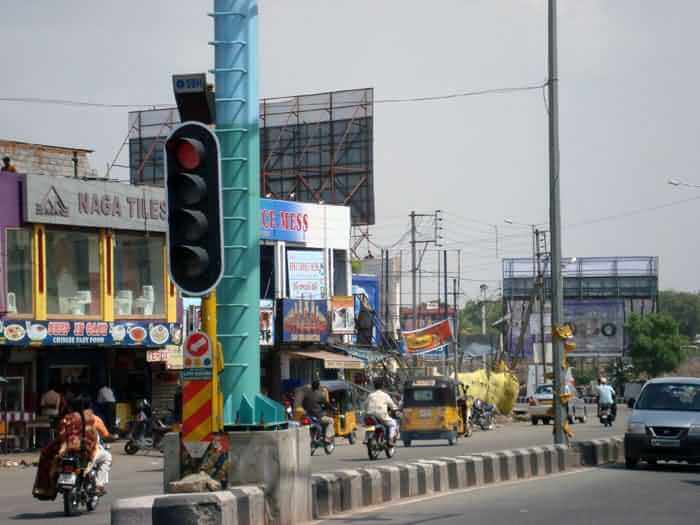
x=189 y=153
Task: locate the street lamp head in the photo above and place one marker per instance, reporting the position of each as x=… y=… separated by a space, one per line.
x=674 y=182
x=508 y=221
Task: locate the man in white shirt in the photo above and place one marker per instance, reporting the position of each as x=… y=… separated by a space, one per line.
x=107 y=403
x=606 y=395
x=378 y=404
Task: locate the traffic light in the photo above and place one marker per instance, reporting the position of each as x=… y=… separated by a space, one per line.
x=195 y=224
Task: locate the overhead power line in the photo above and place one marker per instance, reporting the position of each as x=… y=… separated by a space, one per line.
x=78 y=103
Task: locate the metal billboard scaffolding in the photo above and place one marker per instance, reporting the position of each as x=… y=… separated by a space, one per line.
x=318 y=148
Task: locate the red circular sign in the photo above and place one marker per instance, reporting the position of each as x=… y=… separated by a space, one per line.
x=197 y=344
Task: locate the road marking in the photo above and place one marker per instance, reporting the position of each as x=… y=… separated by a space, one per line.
x=420 y=499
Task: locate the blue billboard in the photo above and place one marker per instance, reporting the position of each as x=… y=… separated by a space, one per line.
x=365 y=288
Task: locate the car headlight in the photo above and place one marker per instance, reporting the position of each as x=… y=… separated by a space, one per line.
x=635 y=427
x=694 y=430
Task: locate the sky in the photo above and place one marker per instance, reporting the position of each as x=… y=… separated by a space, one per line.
x=629 y=117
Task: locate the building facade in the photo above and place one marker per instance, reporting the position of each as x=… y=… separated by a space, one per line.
x=85 y=298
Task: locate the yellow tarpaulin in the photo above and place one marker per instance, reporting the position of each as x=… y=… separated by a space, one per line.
x=498 y=388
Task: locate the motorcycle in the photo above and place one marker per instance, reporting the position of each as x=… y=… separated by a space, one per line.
x=605 y=414
x=318 y=439
x=77 y=483
x=145 y=422
x=482 y=415
x=377 y=438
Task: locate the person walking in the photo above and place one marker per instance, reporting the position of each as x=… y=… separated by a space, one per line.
x=107 y=403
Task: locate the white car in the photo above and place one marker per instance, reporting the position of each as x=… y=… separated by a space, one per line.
x=540 y=406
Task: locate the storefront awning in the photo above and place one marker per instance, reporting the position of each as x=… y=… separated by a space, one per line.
x=331 y=360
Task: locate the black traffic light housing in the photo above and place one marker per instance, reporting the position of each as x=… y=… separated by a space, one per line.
x=195 y=223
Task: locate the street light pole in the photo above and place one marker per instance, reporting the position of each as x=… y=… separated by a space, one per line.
x=555 y=223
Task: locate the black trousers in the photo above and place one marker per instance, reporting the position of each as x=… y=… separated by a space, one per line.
x=109 y=411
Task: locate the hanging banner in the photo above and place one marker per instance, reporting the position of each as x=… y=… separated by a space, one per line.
x=307 y=274
x=267 y=322
x=343 y=314
x=304 y=321
x=429 y=338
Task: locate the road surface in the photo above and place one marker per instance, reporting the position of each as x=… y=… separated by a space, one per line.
x=141 y=475
x=601 y=496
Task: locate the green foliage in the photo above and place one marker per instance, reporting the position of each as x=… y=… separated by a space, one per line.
x=684 y=307
x=356 y=266
x=583 y=377
x=655 y=343
x=470 y=317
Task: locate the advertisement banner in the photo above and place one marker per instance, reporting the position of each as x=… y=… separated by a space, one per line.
x=54 y=333
x=365 y=289
x=429 y=338
x=267 y=322
x=307 y=274
x=343 y=315
x=314 y=225
x=304 y=321
x=598 y=326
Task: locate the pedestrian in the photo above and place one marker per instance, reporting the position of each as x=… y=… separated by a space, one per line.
x=107 y=403
x=50 y=403
x=7 y=166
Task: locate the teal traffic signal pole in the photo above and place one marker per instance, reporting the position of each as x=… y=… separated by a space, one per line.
x=238 y=294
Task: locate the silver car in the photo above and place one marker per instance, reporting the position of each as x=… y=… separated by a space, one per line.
x=665 y=422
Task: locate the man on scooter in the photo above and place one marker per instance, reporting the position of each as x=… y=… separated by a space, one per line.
x=379 y=403
x=314 y=404
x=606 y=396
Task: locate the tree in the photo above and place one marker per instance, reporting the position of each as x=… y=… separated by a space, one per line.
x=655 y=343
x=470 y=317
x=684 y=307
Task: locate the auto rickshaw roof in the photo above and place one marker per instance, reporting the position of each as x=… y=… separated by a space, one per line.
x=430 y=381
x=336 y=385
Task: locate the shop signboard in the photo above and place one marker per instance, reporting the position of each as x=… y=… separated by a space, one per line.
x=313 y=225
x=267 y=322
x=342 y=315
x=14 y=332
x=428 y=339
x=95 y=204
x=304 y=321
x=307 y=275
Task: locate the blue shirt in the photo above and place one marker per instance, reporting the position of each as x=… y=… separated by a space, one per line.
x=605 y=394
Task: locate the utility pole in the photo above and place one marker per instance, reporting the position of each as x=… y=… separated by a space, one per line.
x=413 y=268
x=555 y=224
x=456 y=326
x=483 y=288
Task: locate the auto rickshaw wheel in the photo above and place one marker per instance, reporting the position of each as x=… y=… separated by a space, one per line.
x=406 y=442
x=352 y=437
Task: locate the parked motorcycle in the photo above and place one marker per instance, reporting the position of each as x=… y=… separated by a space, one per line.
x=318 y=439
x=148 y=431
x=605 y=414
x=377 y=438
x=482 y=414
x=77 y=483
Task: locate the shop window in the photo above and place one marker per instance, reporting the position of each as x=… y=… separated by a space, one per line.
x=72 y=273
x=139 y=275
x=19 y=271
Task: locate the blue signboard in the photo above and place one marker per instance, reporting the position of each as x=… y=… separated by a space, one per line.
x=14 y=332
x=304 y=321
x=368 y=286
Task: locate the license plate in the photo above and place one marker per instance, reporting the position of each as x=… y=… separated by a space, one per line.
x=425 y=414
x=667 y=443
x=66 y=479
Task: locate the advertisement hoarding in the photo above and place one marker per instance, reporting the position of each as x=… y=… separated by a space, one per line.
x=342 y=315
x=267 y=322
x=307 y=274
x=428 y=339
x=304 y=321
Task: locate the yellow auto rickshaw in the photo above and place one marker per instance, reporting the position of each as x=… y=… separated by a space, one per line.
x=341 y=407
x=434 y=408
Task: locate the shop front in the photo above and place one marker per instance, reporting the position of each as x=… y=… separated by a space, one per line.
x=85 y=292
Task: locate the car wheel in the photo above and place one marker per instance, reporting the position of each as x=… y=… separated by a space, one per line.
x=406 y=442
x=631 y=463
x=651 y=462
x=534 y=420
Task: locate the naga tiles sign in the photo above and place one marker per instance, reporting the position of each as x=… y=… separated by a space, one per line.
x=97 y=204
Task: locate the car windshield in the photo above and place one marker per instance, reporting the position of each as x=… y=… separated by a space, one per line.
x=670 y=396
x=544 y=389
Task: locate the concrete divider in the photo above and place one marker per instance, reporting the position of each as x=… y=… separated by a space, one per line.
x=238 y=506
x=352 y=490
x=391 y=483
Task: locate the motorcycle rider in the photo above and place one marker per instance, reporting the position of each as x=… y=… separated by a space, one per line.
x=79 y=430
x=314 y=404
x=606 y=397
x=379 y=404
